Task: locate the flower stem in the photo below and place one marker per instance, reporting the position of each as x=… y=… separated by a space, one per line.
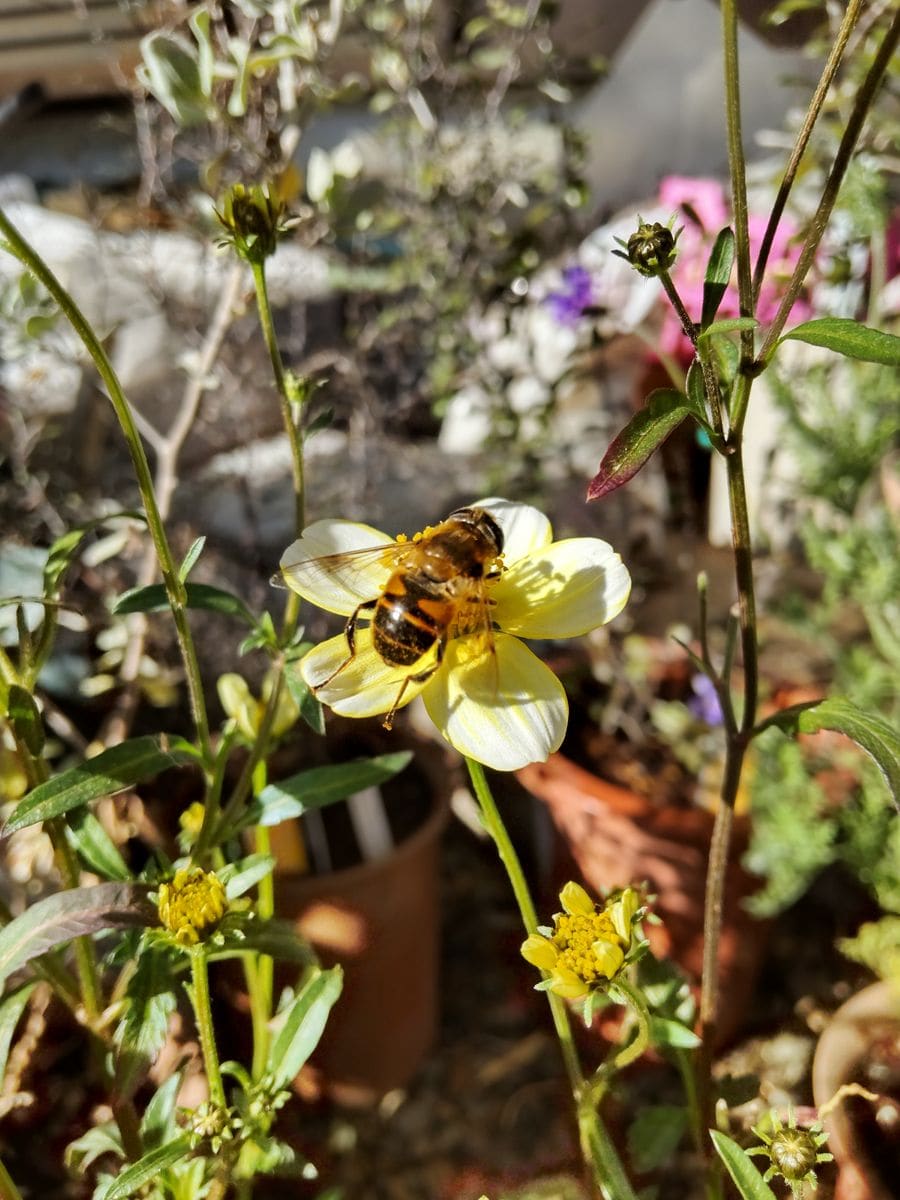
x=175 y=591
x=815 y=107
x=737 y=169
x=203 y=1017
x=261 y=1002
x=291 y=426
x=852 y=130
x=596 y=1143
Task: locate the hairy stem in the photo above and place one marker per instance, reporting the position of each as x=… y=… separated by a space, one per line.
x=203 y=1017
x=737 y=170
x=608 y=1170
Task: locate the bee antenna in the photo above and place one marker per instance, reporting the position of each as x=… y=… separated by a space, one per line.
x=277 y=580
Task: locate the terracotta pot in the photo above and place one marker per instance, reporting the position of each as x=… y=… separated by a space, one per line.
x=381 y=921
x=870 y=1017
x=617 y=837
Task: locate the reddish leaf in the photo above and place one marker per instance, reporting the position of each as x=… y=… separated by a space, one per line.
x=664 y=411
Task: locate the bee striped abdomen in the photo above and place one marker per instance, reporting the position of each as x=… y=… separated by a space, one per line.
x=409 y=619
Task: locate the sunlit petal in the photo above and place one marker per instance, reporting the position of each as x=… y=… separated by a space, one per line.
x=504 y=708
x=609 y=957
x=525 y=529
x=576 y=901
x=337 y=587
x=364 y=685
x=567 y=984
x=540 y=952
x=561 y=591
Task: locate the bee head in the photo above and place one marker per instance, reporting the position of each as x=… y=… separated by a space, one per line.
x=482 y=521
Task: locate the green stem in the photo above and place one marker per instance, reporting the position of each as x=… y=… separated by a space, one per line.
x=85 y=959
x=710 y=382
x=175 y=592
x=265 y=966
x=291 y=426
x=203 y=1017
x=8 y=1190
x=852 y=130
x=638 y=1044
x=607 y=1167
x=737 y=171
x=812 y=114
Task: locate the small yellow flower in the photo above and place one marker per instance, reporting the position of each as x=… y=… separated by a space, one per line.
x=191 y=821
x=253 y=219
x=192 y=905
x=793 y=1153
x=492 y=699
x=589 y=944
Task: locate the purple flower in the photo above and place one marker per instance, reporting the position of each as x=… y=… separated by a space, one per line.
x=575 y=295
x=704 y=704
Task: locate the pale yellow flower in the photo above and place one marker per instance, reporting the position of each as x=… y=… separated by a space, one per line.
x=247 y=711
x=491 y=697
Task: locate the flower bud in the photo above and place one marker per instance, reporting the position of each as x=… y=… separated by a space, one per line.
x=651 y=249
x=192 y=905
x=253 y=219
x=793 y=1153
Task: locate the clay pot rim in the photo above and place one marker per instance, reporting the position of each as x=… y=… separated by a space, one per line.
x=430 y=829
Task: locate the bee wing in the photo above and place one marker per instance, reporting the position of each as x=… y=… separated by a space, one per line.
x=339 y=565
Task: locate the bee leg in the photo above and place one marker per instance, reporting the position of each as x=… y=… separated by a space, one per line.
x=362 y=610
x=388 y=722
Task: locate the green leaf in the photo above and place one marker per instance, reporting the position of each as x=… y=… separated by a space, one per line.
x=655 y=1134
x=718 y=273
x=663 y=413
x=158 y=1124
x=11 y=1010
x=318 y=787
x=25 y=718
x=246 y=874
x=140 y=1034
x=199 y=595
x=303 y=1025
x=100 y=1140
x=191 y=557
x=311 y=709
x=63 y=550
x=94 y=846
x=110 y=772
x=850 y=338
x=279 y=939
x=870 y=732
x=72 y=914
x=727 y=325
x=665 y=1032
x=747 y=1179
x=133 y=1178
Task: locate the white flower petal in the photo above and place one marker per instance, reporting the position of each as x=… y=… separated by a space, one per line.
x=525 y=528
x=365 y=686
x=335 y=585
x=503 y=709
x=562 y=591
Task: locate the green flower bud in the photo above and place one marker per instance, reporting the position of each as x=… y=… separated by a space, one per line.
x=253 y=219
x=650 y=249
x=793 y=1153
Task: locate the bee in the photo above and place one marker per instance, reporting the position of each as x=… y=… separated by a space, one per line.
x=435 y=592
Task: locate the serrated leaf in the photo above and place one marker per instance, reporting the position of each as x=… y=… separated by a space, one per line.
x=303 y=1025
x=318 y=787
x=654 y=1135
x=718 y=274
x=110 y=772
x=279 y=939
x=154 y=598
x=871 y=733
x=140 y=1034
x=137 y=1174
x=11 y=1010
x=191 y=557
x=665 y=1032
x=746 y=1177
x=72 y=914
x=844 y=336
x=94 y=846
x=648 y=429
x=25 y=718
x=63 y=550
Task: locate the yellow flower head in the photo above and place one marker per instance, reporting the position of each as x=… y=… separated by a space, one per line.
x=192 y=905
x=589 y=944
x=488 y=694
x=247 y=711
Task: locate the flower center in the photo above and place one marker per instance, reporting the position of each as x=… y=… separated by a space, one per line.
x=574 y=937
